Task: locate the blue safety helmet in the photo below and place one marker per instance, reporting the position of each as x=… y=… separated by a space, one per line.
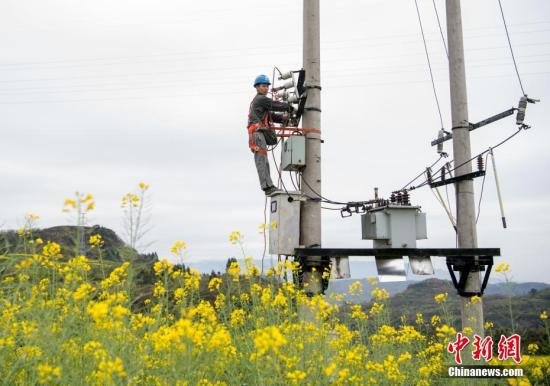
x=261 y=79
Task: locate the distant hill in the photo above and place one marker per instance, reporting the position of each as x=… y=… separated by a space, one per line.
x=113 y=249
x=394 y=288
x=419 y=297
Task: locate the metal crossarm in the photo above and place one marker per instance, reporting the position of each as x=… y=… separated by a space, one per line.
x=398 y=252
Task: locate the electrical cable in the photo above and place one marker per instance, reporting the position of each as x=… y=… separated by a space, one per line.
x=279 y=172
x=510 y=45
x=422 y=173
x=440 y=29
x=429 y=63
x=293 y=184
x=323 y=199
x=265 y=237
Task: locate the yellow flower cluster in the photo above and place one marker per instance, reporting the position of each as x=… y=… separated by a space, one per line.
x=129 y=200
x=441 y=298
x=82 y=202
x=178 y=248
x=502 y=267
x=236 y=328
x=235 y=237
x=96 y=241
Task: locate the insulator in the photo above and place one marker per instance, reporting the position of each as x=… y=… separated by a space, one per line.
x=292 y=98
x=376 y=193
x=429 y=175
x=440 y=135
x=406 y=198
x=392 y=198
x=442 y=174
x=522 y=106
x=287 y=85
x=285 y=75
x=399 y=197
x=480 y=163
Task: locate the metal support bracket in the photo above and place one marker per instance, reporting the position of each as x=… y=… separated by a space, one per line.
x=463 y=260
x=462 y=177
x=473 y=126
x=465 y=265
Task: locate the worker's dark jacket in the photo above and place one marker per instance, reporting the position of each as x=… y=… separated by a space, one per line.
x=262 y=105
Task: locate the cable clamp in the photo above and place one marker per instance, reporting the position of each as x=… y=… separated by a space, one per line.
x=462 y=126
x=312 y=109
x=316 y=86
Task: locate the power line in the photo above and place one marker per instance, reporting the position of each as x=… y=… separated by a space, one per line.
x=218 y=52
x=510 y=45
x=440 y=29
x=422 y=172
x=429 y=64
x=232 y=93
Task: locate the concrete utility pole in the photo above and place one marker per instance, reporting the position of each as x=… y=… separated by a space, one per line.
x=472 y=314
x=310 y=221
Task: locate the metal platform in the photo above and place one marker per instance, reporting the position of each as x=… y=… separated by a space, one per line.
x=398 y=252
x=463 y=260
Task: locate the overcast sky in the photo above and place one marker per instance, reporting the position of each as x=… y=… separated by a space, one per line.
x=97 y=96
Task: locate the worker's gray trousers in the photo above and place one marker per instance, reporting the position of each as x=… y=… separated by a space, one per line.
x=261 y=161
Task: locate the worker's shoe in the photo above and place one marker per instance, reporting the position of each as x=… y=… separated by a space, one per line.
x=271 y=190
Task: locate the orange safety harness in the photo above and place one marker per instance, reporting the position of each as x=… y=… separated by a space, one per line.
x=252 y=128
x=282 y=132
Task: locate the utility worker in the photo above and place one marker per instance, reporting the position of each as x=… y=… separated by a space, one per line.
x=259 y=120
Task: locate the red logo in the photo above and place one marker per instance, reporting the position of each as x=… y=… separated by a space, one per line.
x=508 y=348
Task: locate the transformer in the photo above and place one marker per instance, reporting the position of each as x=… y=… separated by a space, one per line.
x=396 y=226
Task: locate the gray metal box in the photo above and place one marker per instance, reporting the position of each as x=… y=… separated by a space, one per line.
x=394 y=226
x=284 y=234
x=294 y=153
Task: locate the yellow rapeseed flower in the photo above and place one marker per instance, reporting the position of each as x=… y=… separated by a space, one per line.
x=51 y=250
x=95 y=241
x=83 y=291
x=107 y=369
x=214 y=284
x=163 y=266
x=48 y=373
x=296 y=376
x=355 y=288
x=237 y=317
x=143 y=186
x=234 y=270
x=502 y=267
x=178 y=248
x=475 y=299
x=268 y=340
x=441 y=298
x=380 y=293
x=532 y=348
x=543 y=315
x=235 y=237
x=69 y=203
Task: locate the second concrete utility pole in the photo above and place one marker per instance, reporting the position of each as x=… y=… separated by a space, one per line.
x=472 y=313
